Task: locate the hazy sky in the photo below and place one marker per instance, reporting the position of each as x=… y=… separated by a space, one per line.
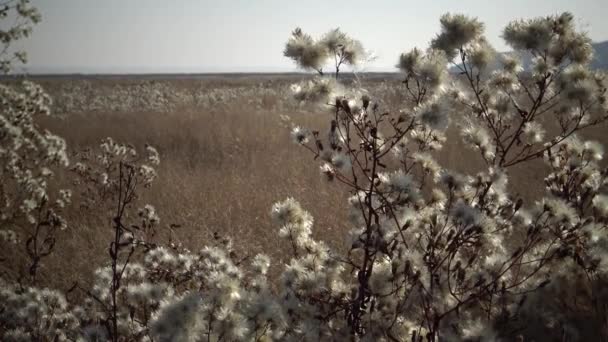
x=248 y=35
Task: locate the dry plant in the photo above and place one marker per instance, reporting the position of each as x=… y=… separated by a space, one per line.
x=27 y=155
x=432 y=255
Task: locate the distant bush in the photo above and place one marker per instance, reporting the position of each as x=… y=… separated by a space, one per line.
x=434 y=255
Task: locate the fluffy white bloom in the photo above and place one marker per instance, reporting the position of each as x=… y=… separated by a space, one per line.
x=600 y=203
x=427 y=162
x=317 y=90
x=540 y=67
x=160 y=257
x=480 y=54
x=594 y=150
x=429 y=71
x=400 y=182
x=289 y=212
x=148 y=213
x=577 y=84
x=27 y=154
x=350 y=50
x=451 y=179
x=410 y=61
x=503 y=80
x=8 y=236
x=153 y=155
x=533 y=132
x=478 y=137
x=305 y=51
x=300 y=135
x=522 y=217
x=261 y=263
x=560 y=211
x=179 y=321
x=511 y=64
x=328 y=171
x=465 y=215
x=30 y=313
x=147 y=173
x=433 y=114
x=501 y=103
x=341 y=162
x=533 y=34
x=456 y=30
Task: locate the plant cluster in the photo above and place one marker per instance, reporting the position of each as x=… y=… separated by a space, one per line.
x=164 y=96
x=434 y=255
x=29 y=211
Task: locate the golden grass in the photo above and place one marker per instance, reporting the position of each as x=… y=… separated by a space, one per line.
x=220 y=172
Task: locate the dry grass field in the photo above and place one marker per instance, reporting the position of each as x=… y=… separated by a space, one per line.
x=221 y=170
x=462 y=195
x=225 y=161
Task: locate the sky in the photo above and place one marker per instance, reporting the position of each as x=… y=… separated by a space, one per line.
x=165 y=36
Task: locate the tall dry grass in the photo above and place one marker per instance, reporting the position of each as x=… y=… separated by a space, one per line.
x=223 y=168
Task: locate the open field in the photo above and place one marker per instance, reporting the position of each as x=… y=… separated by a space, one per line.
x=248 y=171
x=226 y=157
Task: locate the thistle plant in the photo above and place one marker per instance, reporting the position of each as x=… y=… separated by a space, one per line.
x=335 y=47
x=438 y=255
x=33 y=314
x=111 y=178
x=29 y=213
x=433 y=254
